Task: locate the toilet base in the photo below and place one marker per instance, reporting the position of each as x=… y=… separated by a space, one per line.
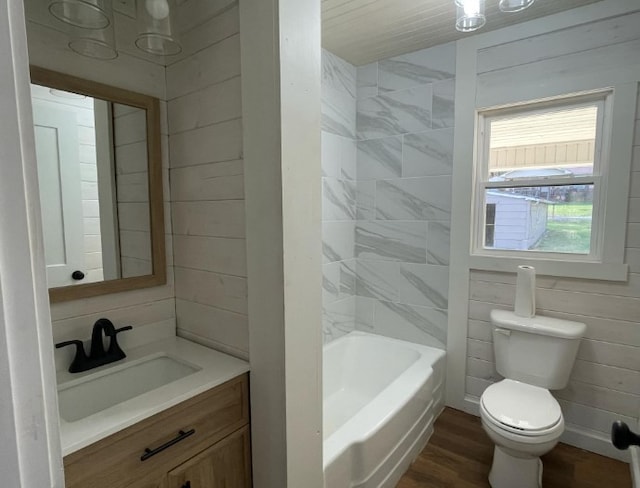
x=508 y=471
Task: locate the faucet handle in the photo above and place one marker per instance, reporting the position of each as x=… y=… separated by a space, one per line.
x=114 y=347
x=80 y=358
x=122 y=329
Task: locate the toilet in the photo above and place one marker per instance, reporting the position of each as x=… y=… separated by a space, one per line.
x=519 y=414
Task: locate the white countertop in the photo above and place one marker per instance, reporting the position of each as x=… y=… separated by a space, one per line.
x=215 y=368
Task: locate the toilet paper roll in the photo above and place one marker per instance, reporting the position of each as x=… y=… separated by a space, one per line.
x=525 y=305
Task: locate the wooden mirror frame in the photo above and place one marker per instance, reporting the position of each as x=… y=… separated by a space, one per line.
x=151 y=105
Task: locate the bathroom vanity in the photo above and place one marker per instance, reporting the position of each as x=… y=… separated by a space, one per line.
x=192 y=431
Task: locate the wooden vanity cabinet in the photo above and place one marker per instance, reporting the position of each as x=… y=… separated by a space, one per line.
x=217 y=454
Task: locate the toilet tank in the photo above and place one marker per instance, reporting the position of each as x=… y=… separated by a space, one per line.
x=539 y=351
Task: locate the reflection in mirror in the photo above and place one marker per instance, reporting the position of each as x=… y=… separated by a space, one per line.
x=132 y=190
x=93 y=174
x=100 y=176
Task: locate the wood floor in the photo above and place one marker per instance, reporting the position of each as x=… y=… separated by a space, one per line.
x=459 y=455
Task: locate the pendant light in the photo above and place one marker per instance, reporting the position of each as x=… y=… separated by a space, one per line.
x=157 y=27
x=470 y=15
x=86 y=14
x=94 y=43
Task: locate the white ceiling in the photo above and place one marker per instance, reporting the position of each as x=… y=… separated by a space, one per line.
x=362 y=31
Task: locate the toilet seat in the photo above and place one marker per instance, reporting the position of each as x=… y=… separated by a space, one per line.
x=521 y=409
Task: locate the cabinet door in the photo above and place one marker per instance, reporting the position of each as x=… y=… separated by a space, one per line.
x=224 y=465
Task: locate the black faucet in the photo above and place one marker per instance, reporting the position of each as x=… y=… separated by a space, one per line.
x=97 y=355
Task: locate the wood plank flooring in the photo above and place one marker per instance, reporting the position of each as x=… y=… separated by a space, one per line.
x=459 y=455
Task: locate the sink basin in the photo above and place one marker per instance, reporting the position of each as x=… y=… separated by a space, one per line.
x=81 y=398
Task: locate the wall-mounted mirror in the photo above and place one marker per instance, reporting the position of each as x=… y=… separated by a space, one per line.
x=100 y=178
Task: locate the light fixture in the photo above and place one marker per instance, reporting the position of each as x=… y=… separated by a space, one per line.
x=514 y=5
x=469 y=15
x=95 y=43
x=87 y=14
x=157 y=27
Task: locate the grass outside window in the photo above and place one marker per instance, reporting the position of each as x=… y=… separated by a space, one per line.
x=568 y=229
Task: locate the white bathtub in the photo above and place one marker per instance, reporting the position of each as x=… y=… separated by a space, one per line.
x=381 y=397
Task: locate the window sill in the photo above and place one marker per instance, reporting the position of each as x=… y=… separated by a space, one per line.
x=567 y=269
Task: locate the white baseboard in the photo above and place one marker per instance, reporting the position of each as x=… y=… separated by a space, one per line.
x=573 y=435
x=593 y=441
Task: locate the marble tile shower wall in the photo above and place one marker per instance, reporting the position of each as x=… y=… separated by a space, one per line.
x=404 y=132
x=338 y=195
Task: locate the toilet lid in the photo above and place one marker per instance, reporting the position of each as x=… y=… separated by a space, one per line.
x=521 y=406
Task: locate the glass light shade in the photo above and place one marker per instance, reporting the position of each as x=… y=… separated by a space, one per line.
x=87 y=14
x=514 y=5
x=470 y=15
x=97 y=44
x=157 y=27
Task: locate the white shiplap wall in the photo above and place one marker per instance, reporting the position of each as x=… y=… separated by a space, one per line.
x=207 y=188
x=605 y=382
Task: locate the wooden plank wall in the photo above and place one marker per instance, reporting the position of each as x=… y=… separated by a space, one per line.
x=207 y=186
x=605 y=383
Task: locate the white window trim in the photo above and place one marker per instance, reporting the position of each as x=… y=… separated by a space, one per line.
x=606 y=257
x=608 y=262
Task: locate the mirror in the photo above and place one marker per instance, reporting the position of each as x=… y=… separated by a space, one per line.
x=100 y=179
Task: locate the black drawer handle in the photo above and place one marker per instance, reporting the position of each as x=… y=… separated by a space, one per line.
x=152 y=452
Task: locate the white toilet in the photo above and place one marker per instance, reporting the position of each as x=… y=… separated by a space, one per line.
x=534 y=355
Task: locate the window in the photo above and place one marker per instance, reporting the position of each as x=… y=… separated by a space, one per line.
x=540 y=174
